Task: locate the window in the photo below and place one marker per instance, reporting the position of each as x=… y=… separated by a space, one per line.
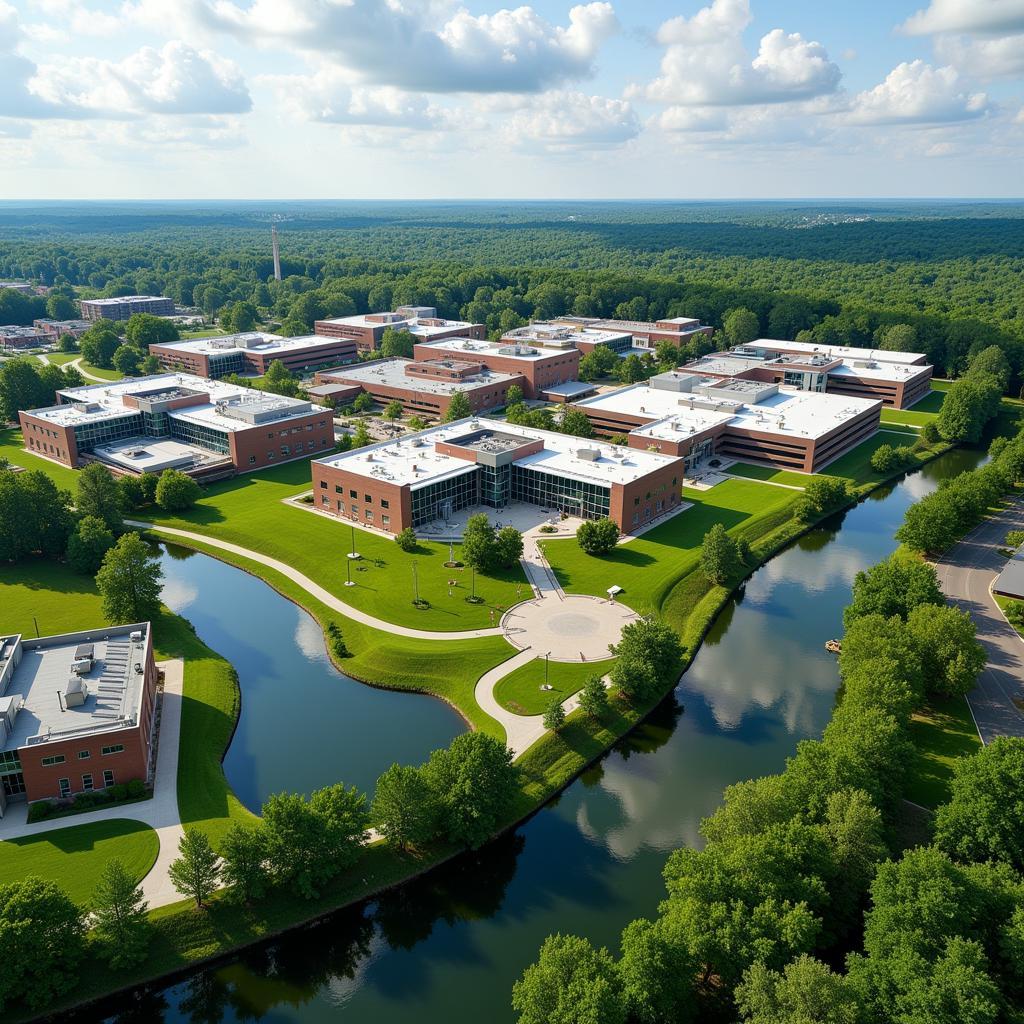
x=369 y=514
x=108 y=777
x=353 y=494
x=270 y=436
x=323 y=485
x=338 y=489
x=368 y=498
x=385 y=520
x=252 y=460
x=384 y=503
x=324 y=500
x=84 y=755
x=65 y=787
x=116 y=748
x=636 y=500
x=87 y=784
x=53 y=759
x=309 y=426
x=286 y=450
x=355 y=511
x=270 y=456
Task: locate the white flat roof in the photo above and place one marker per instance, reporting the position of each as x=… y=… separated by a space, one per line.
x=730 y=362
x=120 y=300
x=249 y=341
x=838 y=351
x=44 y=669
x=413 y=460
x=96 y=402
x=153 y=455
x=411 y=324
x=545 y=331
x=798 y=413
x=391 y=372
x=467 y=348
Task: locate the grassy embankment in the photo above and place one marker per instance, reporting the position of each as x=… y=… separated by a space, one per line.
x=520 y=691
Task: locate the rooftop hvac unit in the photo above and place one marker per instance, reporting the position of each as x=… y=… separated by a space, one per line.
x=135 y=636
x=75 y=693
x=80 y=666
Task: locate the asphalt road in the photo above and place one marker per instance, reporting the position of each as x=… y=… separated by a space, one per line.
x=965 y=575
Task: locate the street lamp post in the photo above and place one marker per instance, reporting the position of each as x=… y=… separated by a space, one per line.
x=348 y=569
x=546 y=657
x=415 y=584
x=353 y=553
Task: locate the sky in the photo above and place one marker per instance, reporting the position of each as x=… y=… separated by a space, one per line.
x=427 y=99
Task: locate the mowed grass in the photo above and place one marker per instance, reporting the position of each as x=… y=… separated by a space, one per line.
x=941 y=734
x=74 y=857
x=648 y=566
x=520 y=692
x=855 y=465
x=249 y=511
x=770 y=474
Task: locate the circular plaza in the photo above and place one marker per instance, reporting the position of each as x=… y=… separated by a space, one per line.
x=572 y=627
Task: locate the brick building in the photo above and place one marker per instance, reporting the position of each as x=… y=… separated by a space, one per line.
x=427 y=477
x=898 y=379
x=424 y=387
x=76 y=711
x=203 y=427
x=367 y=329
x=252 y=352
x=695 y=418
x=645 y=334
x=55 y=329
x=122 y=307
x=14 y=338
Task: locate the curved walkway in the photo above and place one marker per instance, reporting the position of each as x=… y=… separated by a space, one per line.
x=314 y=589
x=77 y=364
x=965 y=574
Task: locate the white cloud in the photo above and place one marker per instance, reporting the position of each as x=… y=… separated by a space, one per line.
x=706 y=63
x=917 y=93
x=427 y=45
x=176 y=79
x=974 y=16
x=983 y=58
x=572 y=121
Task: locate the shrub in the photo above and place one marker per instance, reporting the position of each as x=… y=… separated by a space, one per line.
x=884 y=459
x=554 y=715
x=930 y=433
x=597 y=536
x=821 y=496
x=406 y=539
x=337 y=641
x=136 y=789
x=1014 y=538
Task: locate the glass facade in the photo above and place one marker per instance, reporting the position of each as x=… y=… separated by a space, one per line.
x=495 y=485
x=200 y=434
x=223 y=363
x=575 y=497
x=89 y=435
x=443 y=497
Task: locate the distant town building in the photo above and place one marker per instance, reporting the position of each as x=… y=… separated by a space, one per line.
x=646 y=334
x=54 y=329
x=76 y=712
x=19 y=286
x=122 y=307
x=14 y=338
x=426 y=477
x=252 y=352
x=367 y=329
x=206 y=428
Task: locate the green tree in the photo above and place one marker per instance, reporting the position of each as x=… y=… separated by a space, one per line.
x=951 y=657
x=119 y=916
x=393 y=410
x=99 y=343
x=554 y=715
x=176 y=491
x=594 y=698
x=575 y=422
x=43 y=935
x=363 y=402
x=805 y=991
x=194 y=873
x=458 y=408
x=149 y=365
x=632 y=369
x=396 y=343
x=598 y=363
x=479 y=543
x=34 y=515
x=984 y=818
x=98 y=496
x=60 y=307
x=597 y=536
x=476 y=784
x=129 y=581
x=897 y=338
x=21 y=388
x=405 y=809
x=406 y=539
x=88 y=544
x=635 y=678
x=571 y=983
x=991 y=361
x=719 y=556
x=144 y=329
x=279 y=380
x=361 y=436
x=741 y=326
x=894 y=586
x=245 y=854
x=658 y=973
x=67 y=343
x=930 y=526
x=820 y=496
x=654 y=641
x=514 y=395
x=968 y=406
x=126 y=360
x=508 y=547
x=242 y=317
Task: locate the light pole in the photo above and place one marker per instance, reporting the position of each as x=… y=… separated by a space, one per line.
x=348 y=569
x=546 y=657
x=353 y=553
x=473 y=584
x=415 y=584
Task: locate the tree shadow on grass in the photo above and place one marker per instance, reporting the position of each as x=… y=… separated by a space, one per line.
x=84 y=837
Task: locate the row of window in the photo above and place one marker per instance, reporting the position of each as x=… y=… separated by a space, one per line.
x=353 y=493
x=83 y=755
x=286 y=450
x=64 y=785
x=385 y=520
x=294 y=430
x=45 y=446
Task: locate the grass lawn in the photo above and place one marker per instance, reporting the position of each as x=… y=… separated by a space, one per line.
x=647 y=567
x=61 y=358
x=932 y=402
x=98 y=371
x=855 y=465
x=941 y=734
x=770 y=474
x=74 y=857
x=247 y=510
x=909 y=418
x=520 y=692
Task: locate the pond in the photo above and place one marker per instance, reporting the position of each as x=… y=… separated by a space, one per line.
x=448 y=947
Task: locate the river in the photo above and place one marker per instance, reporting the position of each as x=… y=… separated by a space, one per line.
x=448 y=948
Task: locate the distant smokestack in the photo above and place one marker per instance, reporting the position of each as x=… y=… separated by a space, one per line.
x=277 y=253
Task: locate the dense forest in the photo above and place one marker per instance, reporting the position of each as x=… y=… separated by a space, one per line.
x=954 y=271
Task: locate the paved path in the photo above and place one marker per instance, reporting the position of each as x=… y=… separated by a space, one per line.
x=315 y=589
x=965 y=574
x=160 y=812
x=77 y=364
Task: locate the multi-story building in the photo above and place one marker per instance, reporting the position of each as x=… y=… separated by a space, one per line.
x=899 y=379
x=646 y=334
x=696 y=417
x=367 y=329
x=19 y=286
x=561 y=335
x=76 y=711
x=203 y=427
x=252 y=352
x=429 y=476
x=122 y=307
x=424 y=387
x=14 y=338
x=540 y=368
x=55 y=329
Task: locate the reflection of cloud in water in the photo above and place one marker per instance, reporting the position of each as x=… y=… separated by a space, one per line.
x=310 y=639
x=177 y=594
x=814 y=571
x=340 y=989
